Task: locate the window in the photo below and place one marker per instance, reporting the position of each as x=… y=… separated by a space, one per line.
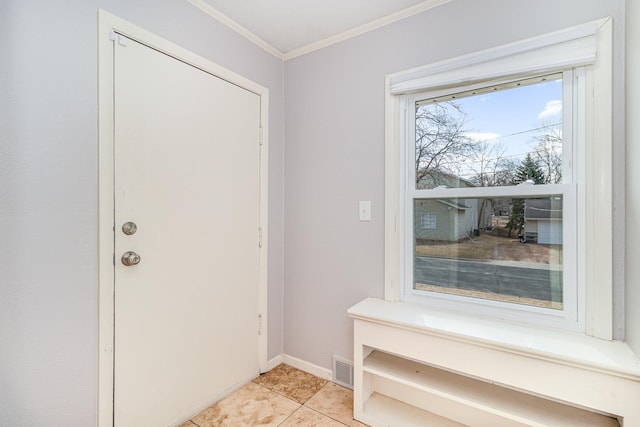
x=428 y=221
x=509 y=139
x=499 y=147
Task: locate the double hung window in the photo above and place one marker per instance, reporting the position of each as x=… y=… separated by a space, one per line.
x=492 y=205
x=496 y=165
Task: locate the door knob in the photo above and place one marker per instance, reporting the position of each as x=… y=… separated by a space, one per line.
x=130 y=258
x=129 y=228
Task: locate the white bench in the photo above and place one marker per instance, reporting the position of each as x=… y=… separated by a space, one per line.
x=416 y=367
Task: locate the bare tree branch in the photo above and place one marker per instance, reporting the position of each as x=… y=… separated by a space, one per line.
x=441 y=141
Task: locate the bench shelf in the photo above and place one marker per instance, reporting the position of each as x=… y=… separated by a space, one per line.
x=409 y=374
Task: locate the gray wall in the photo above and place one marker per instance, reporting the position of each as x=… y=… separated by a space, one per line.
x=633 y=176
x=48 y=192
x=335 y=154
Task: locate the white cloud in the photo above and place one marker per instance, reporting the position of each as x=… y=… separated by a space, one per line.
x=553 y=108
x=482 y=136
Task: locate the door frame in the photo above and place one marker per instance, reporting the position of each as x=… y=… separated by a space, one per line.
x=109 y=26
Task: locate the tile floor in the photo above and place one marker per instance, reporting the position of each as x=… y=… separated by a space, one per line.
x=285 y=397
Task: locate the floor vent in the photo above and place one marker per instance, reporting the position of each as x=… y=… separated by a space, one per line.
x=342 y=372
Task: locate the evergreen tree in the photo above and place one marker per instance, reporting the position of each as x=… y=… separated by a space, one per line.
x=527 y=171
x=516 y=220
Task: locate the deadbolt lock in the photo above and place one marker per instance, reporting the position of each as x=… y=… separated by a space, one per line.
x=130 y=258
x=129 y=228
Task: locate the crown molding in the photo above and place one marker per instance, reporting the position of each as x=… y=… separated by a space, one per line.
x=224 y=19
x=284 y=56
x=378 y=23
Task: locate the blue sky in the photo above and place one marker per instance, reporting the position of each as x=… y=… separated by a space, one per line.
x=499 y=115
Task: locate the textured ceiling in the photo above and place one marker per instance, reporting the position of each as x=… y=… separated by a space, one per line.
x=288 y=25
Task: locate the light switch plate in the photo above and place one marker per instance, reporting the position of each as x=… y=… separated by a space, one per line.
x=365 y=210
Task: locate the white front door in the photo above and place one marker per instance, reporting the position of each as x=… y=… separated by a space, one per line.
x=187 y=174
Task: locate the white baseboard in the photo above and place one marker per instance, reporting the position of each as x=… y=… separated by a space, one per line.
x=316 y=370
x=272 y=363
x=324 y=373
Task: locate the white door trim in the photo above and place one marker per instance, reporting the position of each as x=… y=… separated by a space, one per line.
x=109 y=26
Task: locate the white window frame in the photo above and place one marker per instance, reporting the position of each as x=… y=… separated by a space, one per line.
x=569 y=317
x=576 y=47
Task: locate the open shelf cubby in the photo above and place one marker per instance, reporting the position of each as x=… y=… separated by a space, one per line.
x=406 y=392
x=419 y=367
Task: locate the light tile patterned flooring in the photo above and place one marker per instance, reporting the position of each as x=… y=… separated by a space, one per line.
x=285 y=397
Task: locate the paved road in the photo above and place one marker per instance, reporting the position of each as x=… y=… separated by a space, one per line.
x=541 y=284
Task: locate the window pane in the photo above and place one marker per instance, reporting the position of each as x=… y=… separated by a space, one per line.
x=500 y=135
x=506 y=250
x=428 y=221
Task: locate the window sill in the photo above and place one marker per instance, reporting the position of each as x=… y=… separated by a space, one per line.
x=567 y=348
